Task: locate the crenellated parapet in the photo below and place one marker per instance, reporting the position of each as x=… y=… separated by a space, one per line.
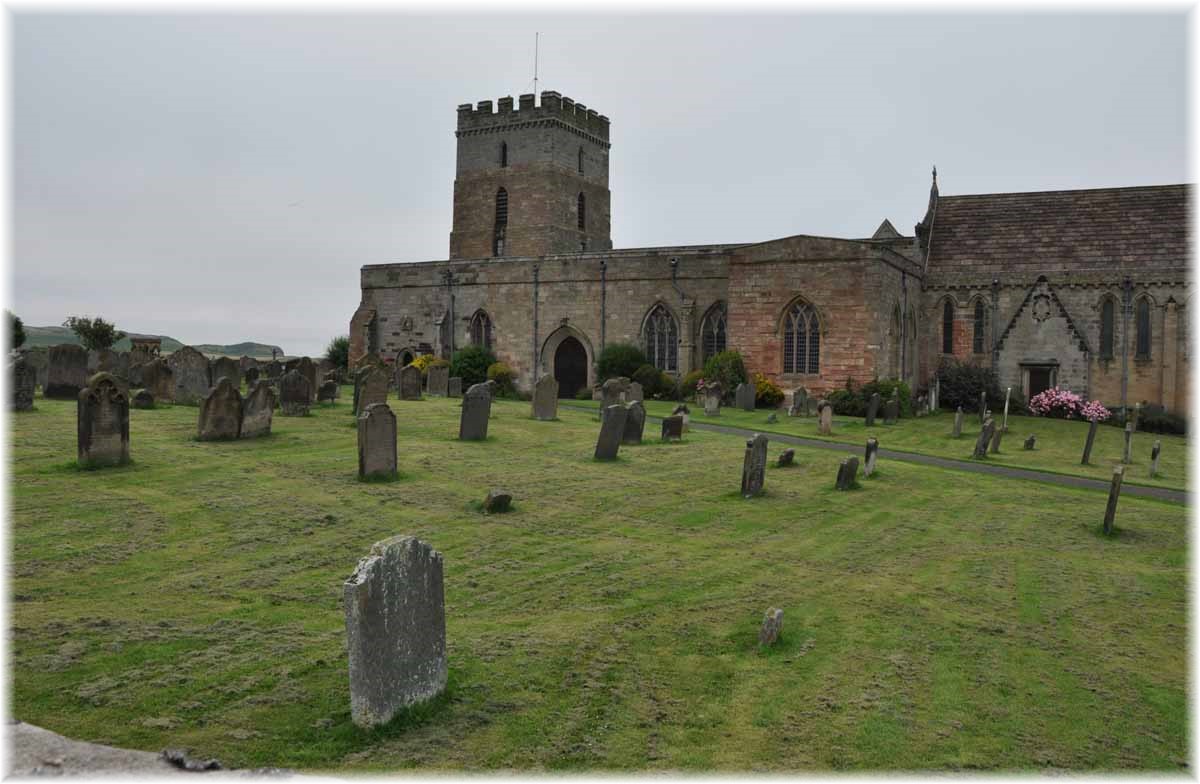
x=485 y=116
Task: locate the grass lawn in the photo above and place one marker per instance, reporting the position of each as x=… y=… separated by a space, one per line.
x=1059 y=441
x=933 y=619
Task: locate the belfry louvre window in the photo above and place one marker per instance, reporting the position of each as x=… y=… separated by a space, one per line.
x=947 y=328
x=481 y=329
x=977 y=336
x=581 y=160
x=1107 y=314
x=712 y=332
x=1143 y=329
x=661 y=337
x=501 y=228
x=581 y=208
x=801 y=340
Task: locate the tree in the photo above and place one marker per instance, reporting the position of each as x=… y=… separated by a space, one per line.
x=471 y=364
x=94 y=334
x=16 y=331
x=338 y=351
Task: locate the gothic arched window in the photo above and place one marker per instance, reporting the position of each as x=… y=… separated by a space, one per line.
x=801 y=340
x=712 y=331
x=503 y=154
x=977 y=334
x=661 y=337
x=501 y=228
x=947 y=328
x=1143 y=328
x=1108 y=311
x=481 y=329
x=581 y=160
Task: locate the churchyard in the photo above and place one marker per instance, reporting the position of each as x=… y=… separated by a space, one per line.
x=931 y=618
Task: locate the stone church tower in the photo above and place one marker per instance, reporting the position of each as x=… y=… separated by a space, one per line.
x=530 y=180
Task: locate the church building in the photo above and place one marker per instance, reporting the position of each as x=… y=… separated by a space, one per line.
x=1084 y=289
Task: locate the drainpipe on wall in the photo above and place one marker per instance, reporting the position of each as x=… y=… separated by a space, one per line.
x=1126 y=302
x=536 y=363
x=995 y=318
x=603 y=299
x=449 y=274
x=903 y=326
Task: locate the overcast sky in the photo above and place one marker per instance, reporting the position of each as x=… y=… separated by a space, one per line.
x=220 y=178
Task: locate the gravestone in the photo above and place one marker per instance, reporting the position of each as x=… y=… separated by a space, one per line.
x=672 y=428
x=958 y=422
x=134 y=376
x=772 y=625
x=307 y=368
x=891 y=410
x=408 y=382
x=23 y=378
x=476 y=409
x=193 y=379
x=996 y=440
x=635 y=423
x=327 y=392
x=251 y=374
x=290 y=365
x=799 y=402
x=227 y=367
x=870 y=457
x=712 y=399
x=66 y=372
x=611 y=393
x=103 y=421
x=847 y=474
x=144 y=399
x=1137 y=414
x=220 y=412
x=1154 y=458
x=635 y=393
x=810 y=407
x=274 y=370
x=376 y=442
x=258 y=409
x=1030 y=443
x=786 y=458
x=872 y=409
x=497 y=502
x=612 y=430
x=682 y=410
x=158 y=377
x=545 y=399
x=454 y=387
x=744 y=396
x=754 y=466
x=325 y=366
x=1087 y=446
x=982 y=406
x=825 y=423
x=371 y=387
x=245 y=363
x=772 y=418
x=39 y=358
x=438 y=382
x=985 y=438
x=1114 y=493
x=395 y=629
x=1007 y=395
x=294 y=394
x=1127 y=456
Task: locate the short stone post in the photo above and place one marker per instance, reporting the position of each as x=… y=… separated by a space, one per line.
x=1114 y=493
x=825 y=422
x=869 y=457
x=1087 y=446
x=754 y=466
x=1127 y=457
x=996 y=440
x=772 y=625
x=958 y=422
x=982 y=406
x=1154 y=458
x=1007 y=394
x=847 y=473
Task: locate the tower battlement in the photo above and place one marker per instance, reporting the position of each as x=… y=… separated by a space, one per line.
x=482 y=117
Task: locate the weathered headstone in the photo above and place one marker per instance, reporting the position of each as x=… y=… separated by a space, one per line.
x=497 y=502
x=1114 y=493
x=1154 y=458
x=376 y=442
x=275 y=370
x=66 y=372
x=291 y=364
x=744 y=396
x=1087 y=446
x=999 y=432
x=635 y=423
x=258 y=409
x=786 y=458
x=193 y=379
x=635 y=393
x=799 y=402
x=220 y=412
x=772 y=625
x=847 y=475
x=1127 y=456
x=825 y=423
x=327 y=392
x=754 y=466
x=395 y=629
x=682 y=410
x=611 y=393
x=144 y=399
x=672 y=428
x=958 y=422
x=371 y=387
x=307 y=368
x=438 y=381
x=325 y=366
x=545 y=399
x=158 y=377
x=1137 y=415
x=408 y=382
x=454 y=387
x=870 y=456
x=985 y=438
x=251 y=374
x=23 y=378
x=245 y=363
x=891 y=410
x=612 y=430
x=227 y=367
x=294 y=394
x=872 y=409
x=476 y=409
x=712 y=399
x=1031 y=442
x=103 y=421
x=39 y=359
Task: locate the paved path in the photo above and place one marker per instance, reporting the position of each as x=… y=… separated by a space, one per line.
x=1160 y=493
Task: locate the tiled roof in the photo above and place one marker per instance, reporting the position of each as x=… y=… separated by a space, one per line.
x=1135 y=228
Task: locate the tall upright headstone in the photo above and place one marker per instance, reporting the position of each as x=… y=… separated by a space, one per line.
x=958 y=422
x=295 y=396
x=66 y=372
x=1091 y=438
x=438 y=381
x=476 y=409
x=307 y=368
x=799 y=402
x=545 y=399
x=754 y=466
x=871 y=455
x=872 y=409
x=220 y=412
x=377 y=442
x=847 y=474
x=193 y=377
x=395 y=629
x=23 y=378
x=103 y=422
x=1127 y=456
x=1154 y=458
x=371 y=387
x=744 y=396
x=712 y=399
x=454 y=387
x=612 y=430
x=1114 y=493
x=985 y=438
x=158 y=377
x=258 y=409
x=825 y=414
x=635 y=423
x=891 y=410
x=408 y=382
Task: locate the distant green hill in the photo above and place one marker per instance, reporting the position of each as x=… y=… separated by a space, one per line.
x=54 y=336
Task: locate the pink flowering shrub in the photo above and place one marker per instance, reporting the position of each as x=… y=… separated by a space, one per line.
x=1065 y=404
x=1095 y=408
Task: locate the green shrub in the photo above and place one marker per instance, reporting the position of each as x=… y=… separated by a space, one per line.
x=471 y=365
x=727 y=368
x=584 y=394
x=962 y=383
x=668 y=388
x=687 y=387
x=619 y=359
x=767 y=393
x=1156 y=419
x=504 y=377
x=847 y=402
x=885 y=388
x=338 y=351
x=649 y=377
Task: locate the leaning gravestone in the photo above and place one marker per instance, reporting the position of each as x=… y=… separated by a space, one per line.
x=672 y=428
x=103 y=422
x=258 y=408
x=825 y=412
x=712 y=399
x=220 y=412
x=958 y=422
x=476 y=409
x=635 y=423
x=772 y=625
x=23 y=378
x=408 y=382
x=744 y=395
x=158 y=377
x=1154 y=458
x=985 y=437
x=454 y=387
x=438 y=382
x=612 y=429
x=66 y=372
x=192 y=377
x=294 y=394
x=1114 y=493
x=144 y=399
x=227 y=367
x=1030 y=443
x=395 y=629
x=754 y=466
x=371 y=386
x=872 y=409
x=327 y=392
x=635 y=392
x=996 y=440
x=891 y=410
x=307 y=368
x=871 y=455
x=799 y=402
x=786 y=458
x=377 y=442
x=545 y=399
x=1087 y=446
x=847 y=475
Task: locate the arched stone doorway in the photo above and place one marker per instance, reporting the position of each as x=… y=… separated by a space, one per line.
x=404 y=357
x=570 y=367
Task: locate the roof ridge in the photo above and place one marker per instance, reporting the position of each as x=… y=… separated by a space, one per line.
x=1071 y=190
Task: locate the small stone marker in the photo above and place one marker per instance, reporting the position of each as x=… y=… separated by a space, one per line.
x=103 y=422
x=1007 y=394
x=144 y=399
x=982 y=406
x=438 y=380
x=847 y=473
x=682 y=410
x=23 y=377
x=985 y=438
x=771 y=418
x=66 y=372
x=258 y=409
x=220 y=412
x=193 y=377
x=1030 y=443
x=395 y=629
x=872 y=409
x=754 y=466
x=612 y=430
x=996 y=440
x=1114 y=493
x=1154 y=458
x=453 y=386
x=476 y=410
x=672 y=428
x=497 y=502
x=869 y=458
x=958 y=422
x=786 y=458
x=1091 y=437
x=545 y=399
x=294 y=394
x=1127 y=457
x=891 y=410
x=408 y=382
x=799 y=402
x=825 y=422
x=635 y=393
x=377 y=442
x=635 y=423
x=327 y=392
x=772 y=625
x=712 y=400
x=744 y=395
